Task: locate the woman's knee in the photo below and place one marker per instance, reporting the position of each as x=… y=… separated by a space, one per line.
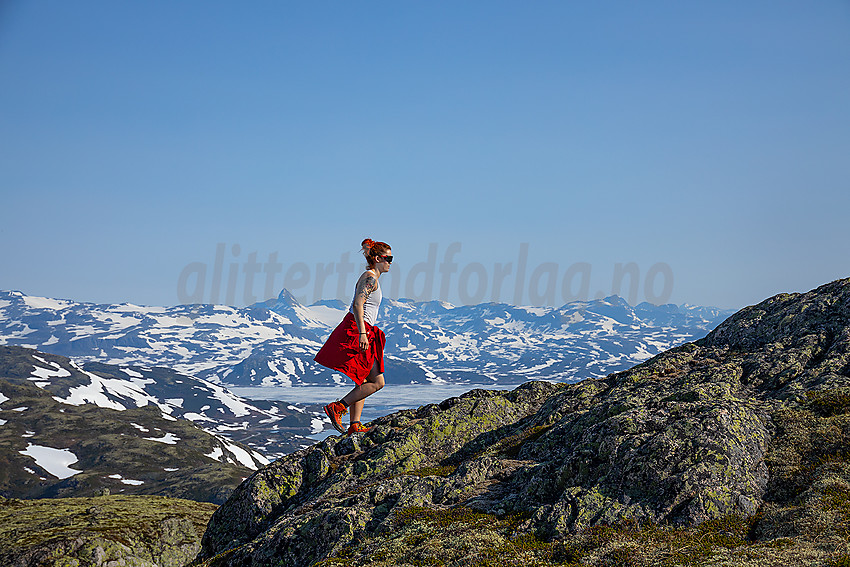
x=378 y=382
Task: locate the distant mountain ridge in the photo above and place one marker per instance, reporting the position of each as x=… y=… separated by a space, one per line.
x=273 y=343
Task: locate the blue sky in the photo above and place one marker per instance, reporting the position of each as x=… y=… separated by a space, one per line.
x=702 y=144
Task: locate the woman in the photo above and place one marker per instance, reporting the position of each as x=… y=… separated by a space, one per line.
x=356 y=346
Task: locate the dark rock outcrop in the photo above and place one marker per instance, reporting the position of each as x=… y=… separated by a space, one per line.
x=685 y=439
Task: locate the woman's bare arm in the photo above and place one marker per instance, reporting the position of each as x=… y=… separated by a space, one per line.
x=365 y=286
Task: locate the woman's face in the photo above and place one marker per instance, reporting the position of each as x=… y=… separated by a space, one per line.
x=383 y=264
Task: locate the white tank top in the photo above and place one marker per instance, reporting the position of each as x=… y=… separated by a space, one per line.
x=370 y=307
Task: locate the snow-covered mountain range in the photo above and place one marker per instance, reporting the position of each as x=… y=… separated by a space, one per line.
x=273 y=343
x=180 y=360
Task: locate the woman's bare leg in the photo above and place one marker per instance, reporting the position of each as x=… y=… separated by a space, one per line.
x=355 y=410
x=356 y=397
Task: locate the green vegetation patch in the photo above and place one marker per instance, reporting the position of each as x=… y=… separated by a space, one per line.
x=511 y=446
x=121 y=526
x=60 y=516
x=812 y=443
x=462 y=536
x=827 y=403
x=441 y=518
x=433 y=471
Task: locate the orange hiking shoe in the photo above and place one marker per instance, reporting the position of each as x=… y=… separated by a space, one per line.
x=335 y=411
x=358 y=427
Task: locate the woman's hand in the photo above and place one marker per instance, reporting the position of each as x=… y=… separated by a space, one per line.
x=364 y=341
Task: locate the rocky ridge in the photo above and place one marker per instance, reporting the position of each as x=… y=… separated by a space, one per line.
x=734 y=447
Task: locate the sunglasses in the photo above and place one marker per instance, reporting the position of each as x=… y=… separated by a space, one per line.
x=387 y=259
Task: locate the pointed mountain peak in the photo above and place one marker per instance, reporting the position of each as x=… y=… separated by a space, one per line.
x=286 y=297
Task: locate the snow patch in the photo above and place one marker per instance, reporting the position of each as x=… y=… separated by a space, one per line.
x=216 y=454
x=192 y=416
x=168 y=439
x=99 y=391
x=234 y=404
x=46 y=303
x=242 y=456
x=54 y=461
x=245 y=458
x=328 y=316
x=40 y=373
x=536 y=311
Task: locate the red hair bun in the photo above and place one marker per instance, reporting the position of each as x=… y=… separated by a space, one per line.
x=372 y=250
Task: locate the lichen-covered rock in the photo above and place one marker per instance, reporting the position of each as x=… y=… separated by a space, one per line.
x=340 y=470
x=685 y=439
x=108 y=531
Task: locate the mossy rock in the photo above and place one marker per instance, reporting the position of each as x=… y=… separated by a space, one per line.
x=109 y=530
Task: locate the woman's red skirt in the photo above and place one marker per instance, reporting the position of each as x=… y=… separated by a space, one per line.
x=341 y=352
